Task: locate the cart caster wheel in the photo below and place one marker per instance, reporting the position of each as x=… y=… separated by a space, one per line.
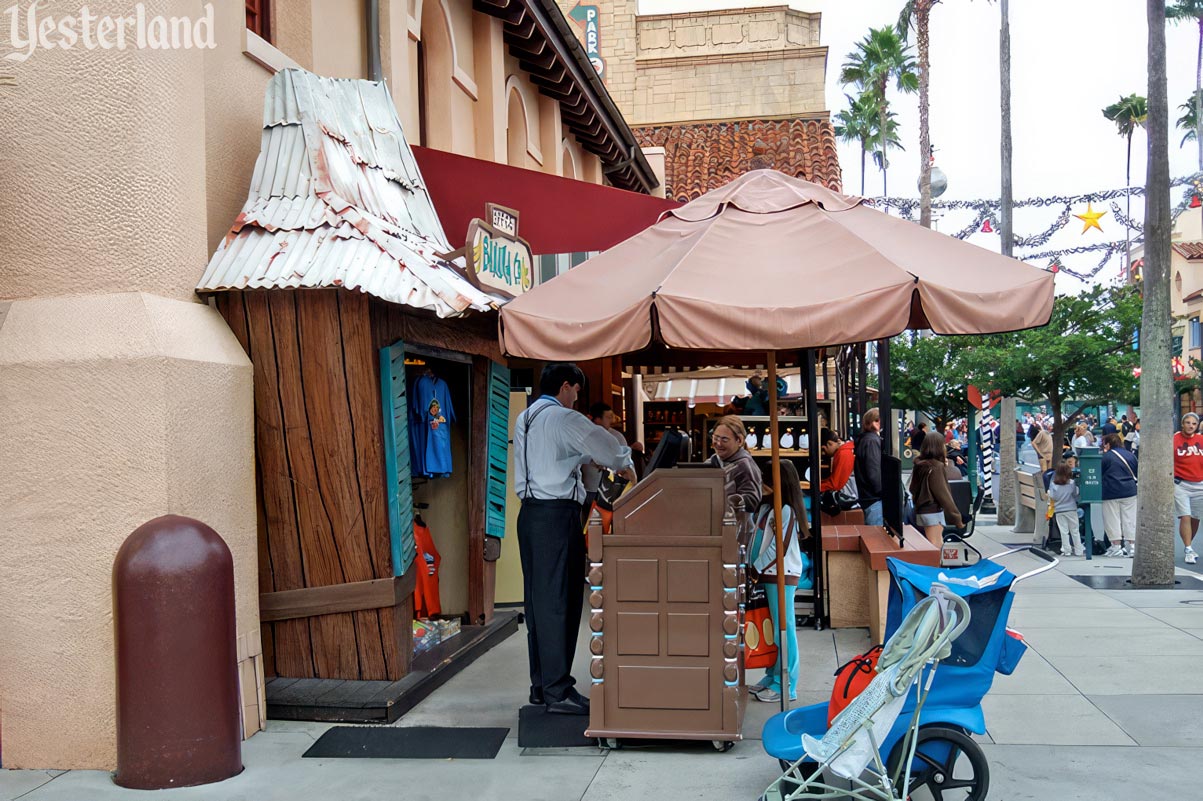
x=946 y=759
x=612 y=743
x=722 y=746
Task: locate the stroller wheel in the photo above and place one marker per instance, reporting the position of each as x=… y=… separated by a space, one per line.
x=948 y=765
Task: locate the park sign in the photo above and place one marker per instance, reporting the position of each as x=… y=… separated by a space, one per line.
x=587 y=17
x=497 y=260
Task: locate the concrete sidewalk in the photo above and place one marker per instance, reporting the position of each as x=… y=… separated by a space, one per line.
x=1107 y=704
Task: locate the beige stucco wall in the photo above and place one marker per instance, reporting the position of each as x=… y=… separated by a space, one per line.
x=123 y=398
x=340 y=40
x=122 y=395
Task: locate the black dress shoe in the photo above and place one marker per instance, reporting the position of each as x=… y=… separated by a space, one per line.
x=572 y=705
x=536 y=696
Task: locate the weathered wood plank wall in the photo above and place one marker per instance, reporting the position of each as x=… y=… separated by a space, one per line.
x=318 y=437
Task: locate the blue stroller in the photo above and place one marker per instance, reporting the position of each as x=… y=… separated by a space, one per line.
x=926 y=751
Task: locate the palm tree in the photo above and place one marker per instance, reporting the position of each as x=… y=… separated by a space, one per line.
x=1128 y=114
x=859 y=123
x=1188 y=123
x=879 y=58
x=1155 y=558
x=917 y=14
x=1005 y=202
x=1181 y=11
x=880 y=158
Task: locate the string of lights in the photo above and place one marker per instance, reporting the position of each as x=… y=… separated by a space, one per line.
x=985 y=220
x=907 y=206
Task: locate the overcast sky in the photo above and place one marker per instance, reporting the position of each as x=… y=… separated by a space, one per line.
x=1069 y=60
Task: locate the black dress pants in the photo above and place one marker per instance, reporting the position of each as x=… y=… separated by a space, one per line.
x=552 y=548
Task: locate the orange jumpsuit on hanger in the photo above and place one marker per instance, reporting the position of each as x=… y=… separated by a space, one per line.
x=426 y=589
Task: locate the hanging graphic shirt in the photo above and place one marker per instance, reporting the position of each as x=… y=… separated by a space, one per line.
x=431 y=417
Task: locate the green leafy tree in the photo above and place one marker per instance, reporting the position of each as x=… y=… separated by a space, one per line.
x=1192 y=11
x=879 y=59
x=1085 y=354
x=1188 y=123
x=926 y=375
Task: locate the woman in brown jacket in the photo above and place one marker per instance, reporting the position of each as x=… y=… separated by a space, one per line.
x=1042 y=443
x=934 y=506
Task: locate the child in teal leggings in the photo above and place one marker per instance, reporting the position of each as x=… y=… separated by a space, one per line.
x=762 y=560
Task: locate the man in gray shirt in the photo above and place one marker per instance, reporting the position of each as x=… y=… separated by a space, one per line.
x=551 y=443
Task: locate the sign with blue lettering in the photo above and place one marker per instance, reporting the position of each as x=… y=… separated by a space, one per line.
x=588 y=18
x=498 y=260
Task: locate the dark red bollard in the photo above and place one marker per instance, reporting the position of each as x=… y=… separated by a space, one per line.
x=178 y=717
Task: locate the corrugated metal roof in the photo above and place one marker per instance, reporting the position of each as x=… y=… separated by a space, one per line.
x=336 y=199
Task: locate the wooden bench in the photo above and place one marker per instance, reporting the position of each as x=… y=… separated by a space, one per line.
x=856 y=575
x=1025 y=501
x=1031 y=505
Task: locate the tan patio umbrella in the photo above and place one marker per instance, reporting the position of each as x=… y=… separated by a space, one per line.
x=770 y=263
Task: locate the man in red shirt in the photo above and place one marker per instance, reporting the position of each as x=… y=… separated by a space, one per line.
x=842 y=459
x=1188 y=482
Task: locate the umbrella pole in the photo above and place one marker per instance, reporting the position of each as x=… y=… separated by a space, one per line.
x=782 y=606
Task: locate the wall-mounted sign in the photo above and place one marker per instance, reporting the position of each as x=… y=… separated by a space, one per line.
x=498 y=260
x=587 y=17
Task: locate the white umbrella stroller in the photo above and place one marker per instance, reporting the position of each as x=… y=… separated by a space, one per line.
x=849 y=753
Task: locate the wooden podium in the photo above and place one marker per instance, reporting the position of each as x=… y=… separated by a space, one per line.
x=665 y=618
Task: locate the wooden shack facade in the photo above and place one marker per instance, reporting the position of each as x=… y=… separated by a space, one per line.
x=335 y=603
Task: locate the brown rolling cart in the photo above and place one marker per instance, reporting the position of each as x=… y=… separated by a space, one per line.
x=665 y=619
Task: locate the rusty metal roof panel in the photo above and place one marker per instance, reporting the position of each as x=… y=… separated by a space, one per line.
x=336 y=199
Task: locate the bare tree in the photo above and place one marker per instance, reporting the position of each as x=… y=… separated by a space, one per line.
x=1154 y=563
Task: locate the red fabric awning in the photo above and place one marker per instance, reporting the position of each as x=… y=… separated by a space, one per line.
x=558 y=215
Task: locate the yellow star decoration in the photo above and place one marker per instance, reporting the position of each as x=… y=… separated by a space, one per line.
x=1091 y=218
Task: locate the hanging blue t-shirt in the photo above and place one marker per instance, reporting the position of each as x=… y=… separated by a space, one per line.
x=417 y=431
x=433 y=415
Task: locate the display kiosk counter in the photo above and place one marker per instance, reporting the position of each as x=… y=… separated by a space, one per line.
x=855 y=573
x=665 y=614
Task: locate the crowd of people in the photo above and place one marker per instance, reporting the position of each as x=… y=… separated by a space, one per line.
x=563 y=461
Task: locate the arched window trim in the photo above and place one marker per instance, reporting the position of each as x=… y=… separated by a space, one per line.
x=512 y=84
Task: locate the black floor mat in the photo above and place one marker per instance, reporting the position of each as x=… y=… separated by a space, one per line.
x=537 y=729
x=416 y=742
x=1124 y=583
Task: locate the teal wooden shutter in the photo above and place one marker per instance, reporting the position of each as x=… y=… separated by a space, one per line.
x=396 y=456
x=499 y=437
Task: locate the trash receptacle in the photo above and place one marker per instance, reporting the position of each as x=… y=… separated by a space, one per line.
x=178 y=711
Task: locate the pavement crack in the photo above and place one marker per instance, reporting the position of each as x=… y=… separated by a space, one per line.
x=39 y=787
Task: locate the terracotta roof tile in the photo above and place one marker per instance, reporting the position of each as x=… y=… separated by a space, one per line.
x=703 y=156
x=1191 y=251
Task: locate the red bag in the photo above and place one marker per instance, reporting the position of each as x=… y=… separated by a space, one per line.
x=851 y=678
x=760 y=641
